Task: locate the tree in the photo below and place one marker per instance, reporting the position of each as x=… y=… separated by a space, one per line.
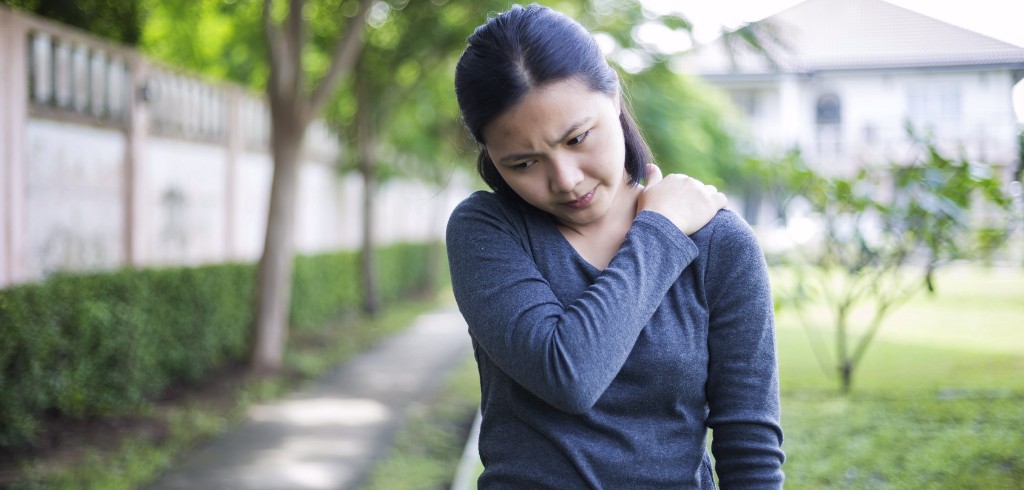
x=117 y=20
x=404 y=119
x=294 y=102
x=222 y=40
x=690 y=126
x=883 y=234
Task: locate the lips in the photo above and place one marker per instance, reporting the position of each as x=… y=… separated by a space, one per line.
x=581 y=202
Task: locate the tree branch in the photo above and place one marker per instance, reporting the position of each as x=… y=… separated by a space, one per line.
x=273 y=40
x=345 y=55
x=295 y=36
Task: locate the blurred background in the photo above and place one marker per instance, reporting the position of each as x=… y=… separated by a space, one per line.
x=211 y=191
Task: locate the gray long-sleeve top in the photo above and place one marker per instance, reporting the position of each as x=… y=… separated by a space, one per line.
x=610 y=378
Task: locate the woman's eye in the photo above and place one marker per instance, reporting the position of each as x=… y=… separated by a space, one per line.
x=579 y=139
x=524 y=165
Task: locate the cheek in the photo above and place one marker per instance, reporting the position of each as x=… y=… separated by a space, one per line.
x=521 y=182
x=615 y=152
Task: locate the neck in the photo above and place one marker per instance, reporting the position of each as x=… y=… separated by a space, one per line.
x=615 y=224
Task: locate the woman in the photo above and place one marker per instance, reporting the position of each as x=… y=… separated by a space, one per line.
x=613 y=324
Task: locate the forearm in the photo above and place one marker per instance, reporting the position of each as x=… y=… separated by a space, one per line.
x=565 y=354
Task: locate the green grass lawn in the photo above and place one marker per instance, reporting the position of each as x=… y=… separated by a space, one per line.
x=937 y=403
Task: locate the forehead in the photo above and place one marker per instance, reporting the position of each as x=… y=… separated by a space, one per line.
x=547 y=111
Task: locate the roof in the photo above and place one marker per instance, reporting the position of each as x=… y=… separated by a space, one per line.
x=820 y=35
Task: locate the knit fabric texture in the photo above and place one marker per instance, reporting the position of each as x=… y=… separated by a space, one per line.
x=611 y=378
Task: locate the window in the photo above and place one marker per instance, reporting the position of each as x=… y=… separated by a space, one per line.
x=829 y=118
x=934 y=106
x=829 y=109
x=747 y=101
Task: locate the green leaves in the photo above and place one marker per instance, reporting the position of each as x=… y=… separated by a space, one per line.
x=883 y=232
x=105 y=344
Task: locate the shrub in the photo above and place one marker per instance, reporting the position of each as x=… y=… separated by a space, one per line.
x=103 y=344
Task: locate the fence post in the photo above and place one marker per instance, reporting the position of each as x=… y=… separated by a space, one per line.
x=137 y=128
x=13 y=119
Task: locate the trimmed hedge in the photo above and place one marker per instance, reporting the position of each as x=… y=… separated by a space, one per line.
x=103 y=344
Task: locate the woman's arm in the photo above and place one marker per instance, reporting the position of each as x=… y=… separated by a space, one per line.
x=566 y=355
x=742 y=387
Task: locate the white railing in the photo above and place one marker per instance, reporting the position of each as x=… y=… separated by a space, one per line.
x=69 y=75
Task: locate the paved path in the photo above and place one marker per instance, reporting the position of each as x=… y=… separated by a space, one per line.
x=328 y=436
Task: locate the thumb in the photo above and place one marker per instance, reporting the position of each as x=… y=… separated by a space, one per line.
x=653 y=174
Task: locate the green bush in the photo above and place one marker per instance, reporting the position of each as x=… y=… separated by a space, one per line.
x=403 y=270
x=93 y=345
x=323 y=286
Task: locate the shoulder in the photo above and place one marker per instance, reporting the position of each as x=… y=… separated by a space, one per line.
x=732 y=260
x=484 y=202
x=484 y=210
x=727 y=234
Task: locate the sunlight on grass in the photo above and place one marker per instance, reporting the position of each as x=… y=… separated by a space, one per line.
x=937 y=403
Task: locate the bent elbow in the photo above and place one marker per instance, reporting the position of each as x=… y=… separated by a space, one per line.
x=575 y=401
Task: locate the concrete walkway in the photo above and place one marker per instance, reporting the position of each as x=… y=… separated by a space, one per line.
x=329 y=436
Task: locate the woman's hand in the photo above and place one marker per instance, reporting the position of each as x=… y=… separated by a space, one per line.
x=685 y=201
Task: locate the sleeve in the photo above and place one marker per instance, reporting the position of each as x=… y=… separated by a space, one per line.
x=566 y=355
x=743 y=386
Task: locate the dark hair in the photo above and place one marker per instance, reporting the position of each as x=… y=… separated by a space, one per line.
x=526 y=48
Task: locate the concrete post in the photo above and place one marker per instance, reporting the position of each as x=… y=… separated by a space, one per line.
x=13 y=119
x=134 y=162
x=5 y=76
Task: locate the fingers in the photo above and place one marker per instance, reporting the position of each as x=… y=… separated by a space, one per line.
x=717 y=197
x=653 y=174
x=721 y=200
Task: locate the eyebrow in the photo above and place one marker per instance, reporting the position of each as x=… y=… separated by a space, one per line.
x=507 y=159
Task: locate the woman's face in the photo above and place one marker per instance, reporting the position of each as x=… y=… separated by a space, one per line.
x=562 y=150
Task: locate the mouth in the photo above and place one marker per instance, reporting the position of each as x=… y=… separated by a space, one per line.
x=582 y=201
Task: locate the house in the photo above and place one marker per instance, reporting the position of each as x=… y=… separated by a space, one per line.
x=845 y=76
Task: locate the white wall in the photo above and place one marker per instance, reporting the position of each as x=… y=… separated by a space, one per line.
x=94 y=176
x=252 y=201
x=184 y=206
x=875 y=106
x=74 y=197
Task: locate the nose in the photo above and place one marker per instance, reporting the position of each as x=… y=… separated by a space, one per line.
x=564 y=175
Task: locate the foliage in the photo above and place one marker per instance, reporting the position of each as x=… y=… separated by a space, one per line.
x=408 y=63
x=224 y=39
x=879 y=224
x=103 y=344
x=889 y=442
x=100 y=344
x=323 y=286
x=142 y=456
x=938 y=400
x=403 y=269
x=116 y=20
x=407 y=70
x=410 y=54
x=689 y=126
x=220 y=39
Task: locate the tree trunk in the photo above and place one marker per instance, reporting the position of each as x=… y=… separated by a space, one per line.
x=846 y=377
x=842 y=352
x=366 y=137
x=291 y=110
x=274 y=281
